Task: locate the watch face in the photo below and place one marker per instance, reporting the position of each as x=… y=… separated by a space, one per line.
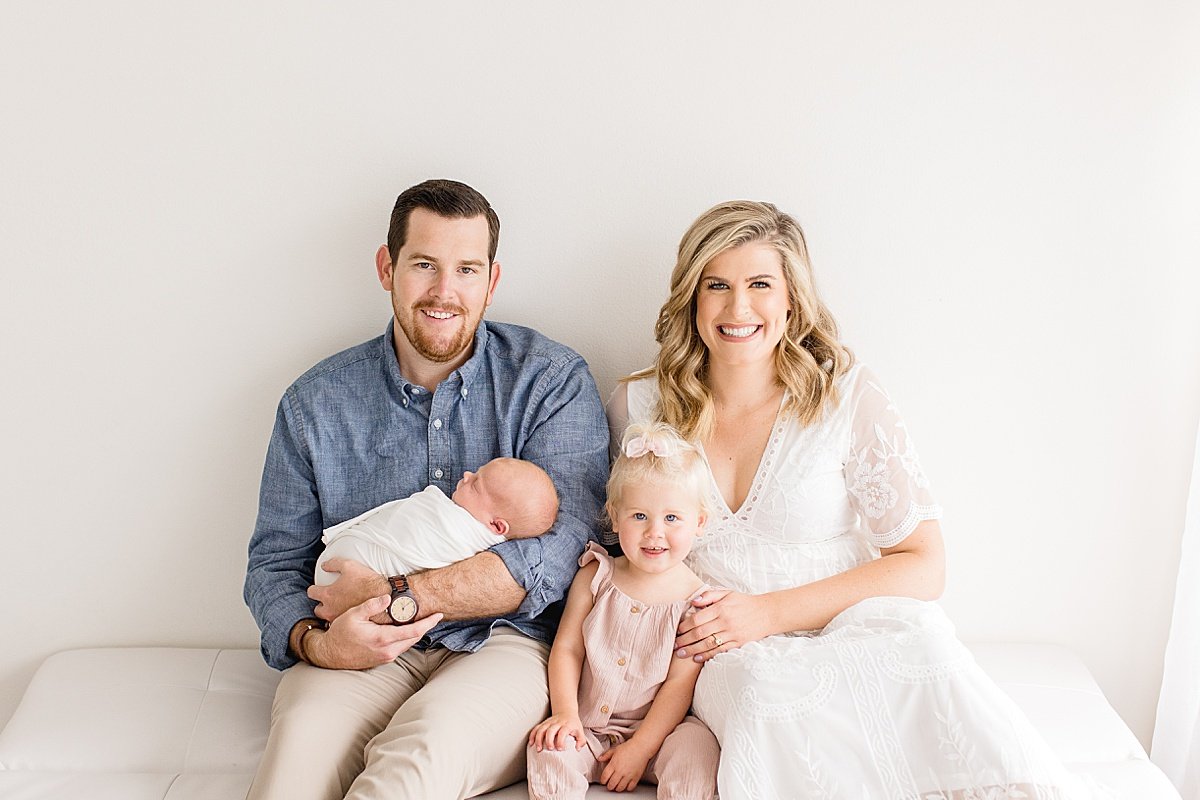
x=403 y=608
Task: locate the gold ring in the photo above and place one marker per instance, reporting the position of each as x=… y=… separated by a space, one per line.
x=717 y=640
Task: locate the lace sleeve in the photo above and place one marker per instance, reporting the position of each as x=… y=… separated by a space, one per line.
x=617 y=409
x=887 y=486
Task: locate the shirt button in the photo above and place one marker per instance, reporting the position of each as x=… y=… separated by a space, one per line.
x=437 y=423
x=603 y=709
x=404 y=402
x=463 y=391
x=620 y=662
x=437 y=473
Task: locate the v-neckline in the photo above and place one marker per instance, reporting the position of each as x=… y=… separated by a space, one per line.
x=758 y=473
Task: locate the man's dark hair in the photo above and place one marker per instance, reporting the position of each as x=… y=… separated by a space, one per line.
x=445 y=198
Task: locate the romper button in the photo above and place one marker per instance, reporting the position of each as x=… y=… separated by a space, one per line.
x=603 y=709
x=620 y=662
x=634 y=610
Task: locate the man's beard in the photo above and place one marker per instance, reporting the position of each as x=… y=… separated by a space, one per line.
x=434 y=349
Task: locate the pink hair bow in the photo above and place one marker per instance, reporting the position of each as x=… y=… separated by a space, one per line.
x=639 y=446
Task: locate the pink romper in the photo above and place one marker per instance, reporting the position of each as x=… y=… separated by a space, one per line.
x=629 y=647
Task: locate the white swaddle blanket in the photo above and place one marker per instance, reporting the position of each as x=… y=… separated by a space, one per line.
x=425 y=530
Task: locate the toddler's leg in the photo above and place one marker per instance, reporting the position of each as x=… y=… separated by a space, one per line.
x=686 y=765
x=560 y=774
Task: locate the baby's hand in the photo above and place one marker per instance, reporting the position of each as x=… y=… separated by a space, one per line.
x=624 y=766
x=552 y=733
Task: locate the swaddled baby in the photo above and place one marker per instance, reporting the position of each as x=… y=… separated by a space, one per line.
x=506 y=499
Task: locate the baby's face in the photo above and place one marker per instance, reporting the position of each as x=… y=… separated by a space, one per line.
x=477 y=492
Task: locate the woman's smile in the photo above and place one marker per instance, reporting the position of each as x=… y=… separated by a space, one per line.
x=740 y=332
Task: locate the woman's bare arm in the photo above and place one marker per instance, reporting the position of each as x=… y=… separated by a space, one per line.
x=913 y=568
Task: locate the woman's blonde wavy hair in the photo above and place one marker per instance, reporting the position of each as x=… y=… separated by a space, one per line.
x=809 y=359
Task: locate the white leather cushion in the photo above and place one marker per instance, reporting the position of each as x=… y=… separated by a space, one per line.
x=1062 y=700
x=178 y=724
x=1130 y=780
x=23 y=785
x=210 y=786
x=147 y=710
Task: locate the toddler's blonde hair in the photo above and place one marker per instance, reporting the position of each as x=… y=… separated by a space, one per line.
x=654 y=451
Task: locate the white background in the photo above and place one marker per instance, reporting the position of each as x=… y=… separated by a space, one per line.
x=1000 y=200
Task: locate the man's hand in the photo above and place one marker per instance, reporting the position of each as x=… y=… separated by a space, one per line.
x=355 y=585
x=623 y=766
x=352 y=641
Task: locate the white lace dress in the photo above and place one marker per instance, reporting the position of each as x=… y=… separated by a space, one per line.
x=884 y=703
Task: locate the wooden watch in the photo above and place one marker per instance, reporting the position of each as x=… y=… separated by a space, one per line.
x=403 y=608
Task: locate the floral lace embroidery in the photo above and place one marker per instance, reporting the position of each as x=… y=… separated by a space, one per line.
x=873 y=490
x=892 y=664
x=816 y=782
x=794 y=709
x=874 y=714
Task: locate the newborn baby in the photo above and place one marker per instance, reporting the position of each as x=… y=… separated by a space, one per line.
x=506 y=499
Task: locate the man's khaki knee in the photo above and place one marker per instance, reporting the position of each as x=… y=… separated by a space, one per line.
x=464 y=732
x=321 y=722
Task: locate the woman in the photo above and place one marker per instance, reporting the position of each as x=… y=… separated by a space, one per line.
x=825 y=524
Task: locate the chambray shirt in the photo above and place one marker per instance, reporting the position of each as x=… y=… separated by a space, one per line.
x=351 y=434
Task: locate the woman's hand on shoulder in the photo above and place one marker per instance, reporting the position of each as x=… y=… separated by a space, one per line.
x=721 y=620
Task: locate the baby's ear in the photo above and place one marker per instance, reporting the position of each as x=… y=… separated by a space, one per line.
x=700 y=523
x=499 y=526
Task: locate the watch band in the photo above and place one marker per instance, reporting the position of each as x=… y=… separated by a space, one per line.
x=403 y=607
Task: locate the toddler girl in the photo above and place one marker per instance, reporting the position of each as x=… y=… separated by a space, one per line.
x=618 y=699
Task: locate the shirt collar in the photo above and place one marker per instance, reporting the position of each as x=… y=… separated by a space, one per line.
x=469 y=370
x=466 y=373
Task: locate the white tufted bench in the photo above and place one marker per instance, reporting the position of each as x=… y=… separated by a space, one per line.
x=190 y=724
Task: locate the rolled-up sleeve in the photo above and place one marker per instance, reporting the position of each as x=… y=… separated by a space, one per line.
x=567 y=435
x=286 y=539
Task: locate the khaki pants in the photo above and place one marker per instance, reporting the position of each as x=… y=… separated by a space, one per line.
x=431 y=725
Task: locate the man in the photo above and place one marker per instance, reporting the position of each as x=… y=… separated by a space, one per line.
x=425 y=685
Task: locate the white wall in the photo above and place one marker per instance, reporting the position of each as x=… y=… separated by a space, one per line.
x=1001 y=203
